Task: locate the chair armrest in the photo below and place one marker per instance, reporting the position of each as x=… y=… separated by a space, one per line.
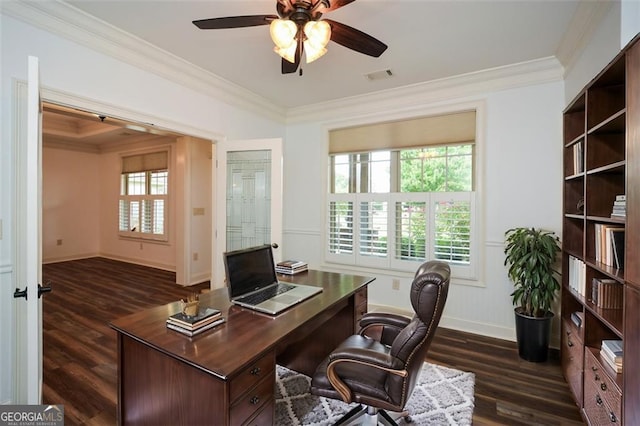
x=385 y=326
x=360 y=356
x=383 y=318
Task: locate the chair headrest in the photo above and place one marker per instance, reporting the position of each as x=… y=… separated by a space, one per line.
x=430 y=288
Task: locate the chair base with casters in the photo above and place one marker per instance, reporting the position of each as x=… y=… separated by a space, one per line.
x=366 y=415
x=378 y=368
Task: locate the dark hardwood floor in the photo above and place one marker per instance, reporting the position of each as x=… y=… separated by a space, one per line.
x=80 y=350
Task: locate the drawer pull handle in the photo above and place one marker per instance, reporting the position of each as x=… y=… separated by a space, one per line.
x=603 y=386
x=254 y=400
x=594 y=368
x=598 y=400
x=612 y=417
x=570 y=343
x=255 y=371
x=596 y=378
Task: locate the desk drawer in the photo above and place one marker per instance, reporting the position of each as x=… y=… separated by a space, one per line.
x=250 y=376
x=602 y=397
x=572 y=359
x=264 y=418
x=248 y=404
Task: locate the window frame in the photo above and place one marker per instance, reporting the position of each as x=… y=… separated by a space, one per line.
x=466 y=275
x=148 y=197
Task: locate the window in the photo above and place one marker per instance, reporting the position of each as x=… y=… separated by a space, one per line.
x=144 y=188
x=397 y=207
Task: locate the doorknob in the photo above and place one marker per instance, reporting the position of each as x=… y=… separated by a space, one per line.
x=44 y=289
x=274 y=245
x=20 y=293
x=41 y=290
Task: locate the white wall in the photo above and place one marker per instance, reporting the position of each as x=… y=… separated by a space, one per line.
x=71 y=210
x=603 y=46
x=201 y=219
x=71 y=71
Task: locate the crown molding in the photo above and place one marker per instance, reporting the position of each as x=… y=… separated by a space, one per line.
x=71 y=23
x=585 y=22
x=495 y=79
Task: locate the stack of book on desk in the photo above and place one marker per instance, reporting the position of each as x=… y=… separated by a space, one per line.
x=290 y=267
x=191 y=325
x=611 y=353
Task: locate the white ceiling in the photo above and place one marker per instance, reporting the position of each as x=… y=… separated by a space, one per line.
x=428 y=40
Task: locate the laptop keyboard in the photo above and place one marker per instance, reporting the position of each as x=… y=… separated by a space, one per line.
x=267 y=293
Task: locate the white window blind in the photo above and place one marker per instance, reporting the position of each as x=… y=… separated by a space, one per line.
x=144 y=190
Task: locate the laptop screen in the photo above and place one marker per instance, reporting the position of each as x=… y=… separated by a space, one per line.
x=249 y=269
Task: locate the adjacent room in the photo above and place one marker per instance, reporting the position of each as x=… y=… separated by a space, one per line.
x=450 y=174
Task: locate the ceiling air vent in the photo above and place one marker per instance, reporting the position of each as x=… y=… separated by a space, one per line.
x=379 y=75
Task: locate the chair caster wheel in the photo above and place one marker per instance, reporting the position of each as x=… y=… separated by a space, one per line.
x=408 y=419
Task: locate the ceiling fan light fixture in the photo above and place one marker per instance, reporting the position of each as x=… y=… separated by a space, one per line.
x=318 y=34
x=288 y=53
x=283 y=33
x=313 y=52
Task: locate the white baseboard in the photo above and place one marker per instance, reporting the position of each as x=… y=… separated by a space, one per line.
x=457 y=324
x=70 y=258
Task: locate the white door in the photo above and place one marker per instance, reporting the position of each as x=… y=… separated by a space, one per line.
x=249 y=194
x=29 y=257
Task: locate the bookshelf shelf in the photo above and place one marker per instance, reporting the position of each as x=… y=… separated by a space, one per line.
x=601 y=148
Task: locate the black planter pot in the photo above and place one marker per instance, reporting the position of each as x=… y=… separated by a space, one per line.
x=533 y=334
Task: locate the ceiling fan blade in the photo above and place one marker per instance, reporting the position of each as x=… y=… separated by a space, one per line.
x=288 y=67
x=234 y=22
x=355 y=39
x=335 y=4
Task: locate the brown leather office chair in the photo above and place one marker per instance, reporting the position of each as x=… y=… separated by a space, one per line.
x=379 y=367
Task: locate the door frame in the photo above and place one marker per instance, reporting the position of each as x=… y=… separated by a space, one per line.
x=20 y=352
x=275 y=145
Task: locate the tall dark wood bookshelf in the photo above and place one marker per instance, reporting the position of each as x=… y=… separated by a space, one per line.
x=602 y=163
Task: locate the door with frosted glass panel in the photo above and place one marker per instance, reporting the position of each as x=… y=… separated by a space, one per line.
x=249 y=187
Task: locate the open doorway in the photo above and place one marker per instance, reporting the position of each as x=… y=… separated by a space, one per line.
x=126 y=191
x=82 y=163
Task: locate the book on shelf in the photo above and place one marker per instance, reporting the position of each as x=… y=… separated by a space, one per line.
x=613 y=348
x=619 y=209
x=578 y=158
x=607 y=293
x=577 y=275
x=617 y=242
x=617 y=367
x=611 y=352
x=191 y=333
x=204 y=317
x=291 y=267
x=576 y=318
x=605 y=236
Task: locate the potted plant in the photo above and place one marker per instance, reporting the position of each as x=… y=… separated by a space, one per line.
x=530 y=256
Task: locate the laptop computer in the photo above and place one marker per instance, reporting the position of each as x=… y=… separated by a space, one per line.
x=252 y=282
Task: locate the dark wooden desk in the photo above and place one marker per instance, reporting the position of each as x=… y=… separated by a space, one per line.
x=227 y=375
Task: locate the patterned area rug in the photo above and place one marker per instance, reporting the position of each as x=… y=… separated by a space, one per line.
x=442 y=396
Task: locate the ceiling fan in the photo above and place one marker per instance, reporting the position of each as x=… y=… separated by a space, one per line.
x=298 y=29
